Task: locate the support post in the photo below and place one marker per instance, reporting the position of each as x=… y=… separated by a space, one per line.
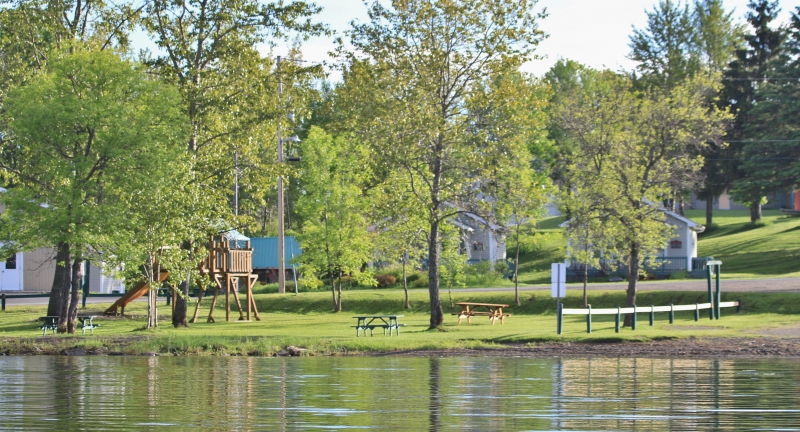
x=671 y=313
x=696 y=312
x=589 y=319
x=718 y=296
x=738 y=305
x=652 y=315
x=709 y=271
x=616 y=321
x=3 y=301
x=633 y=321
x=559 y=317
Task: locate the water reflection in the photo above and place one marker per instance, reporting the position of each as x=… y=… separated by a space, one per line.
x=397 y=393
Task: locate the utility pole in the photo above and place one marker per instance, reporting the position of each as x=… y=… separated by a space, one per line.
x=281 y=263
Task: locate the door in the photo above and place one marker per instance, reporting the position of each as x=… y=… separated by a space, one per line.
x=10 y=271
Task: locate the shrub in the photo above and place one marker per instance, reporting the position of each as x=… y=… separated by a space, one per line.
x=678 y=275
x=386 y=280
x=421 y=282
x=413 y=277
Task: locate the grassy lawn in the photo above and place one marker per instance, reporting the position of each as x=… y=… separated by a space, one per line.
x=306 y=321
x=767 y=249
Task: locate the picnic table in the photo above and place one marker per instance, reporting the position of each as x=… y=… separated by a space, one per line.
x=370 y=322
x=51 y=323
x=492 y=310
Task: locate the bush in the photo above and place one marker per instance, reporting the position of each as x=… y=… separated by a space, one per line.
x=679 y=275
x=413 y=277
x=386 y=280
x=420 y=282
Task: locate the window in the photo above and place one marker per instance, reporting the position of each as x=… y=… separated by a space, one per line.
x=11 y=262
x=477 y=246
x=675 y=244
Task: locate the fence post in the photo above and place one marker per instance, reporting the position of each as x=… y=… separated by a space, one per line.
x=696 y=312
x=738 y=305
x=616 y=321
x=633 y=321
x=709 y=272
x=3 y=297
x=718 y=295
x=652 y=315
x=559 y=318
x=671 y=313
x=589 y=320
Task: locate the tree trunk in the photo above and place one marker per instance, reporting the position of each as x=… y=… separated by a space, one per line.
x=182 y=303
x=405 y=279
x=633 y=278
x=681 y=204
x=709 y=211
x=63 y=309
x=333 y=289
x=755 y=211
x=61 y=279
x=437 y=315
x=77 y=273
x=338 y=305
x=516 y=269
x=149 y=270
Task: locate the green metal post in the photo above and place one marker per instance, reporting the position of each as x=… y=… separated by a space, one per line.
x=559 y=318
x=671 y=313
x=3 y=299
x=589 y=320
x=633 y=321
x=696 y=312
x=616 y=321
x=652 y=315
x=718 y=296
x=709 y=270
x=738 y=305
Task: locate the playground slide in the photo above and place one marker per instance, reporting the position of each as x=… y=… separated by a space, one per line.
x=134 y=293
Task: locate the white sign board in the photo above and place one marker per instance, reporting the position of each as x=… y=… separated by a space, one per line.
x=558 y=280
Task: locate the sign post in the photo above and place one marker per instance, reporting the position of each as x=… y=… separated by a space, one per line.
x=558 y=287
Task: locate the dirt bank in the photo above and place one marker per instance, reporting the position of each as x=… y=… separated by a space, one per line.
x=690 y=347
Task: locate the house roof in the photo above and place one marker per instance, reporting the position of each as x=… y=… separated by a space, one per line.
x=694 y=226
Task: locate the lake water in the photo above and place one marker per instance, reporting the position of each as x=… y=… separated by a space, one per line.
x=397 y=393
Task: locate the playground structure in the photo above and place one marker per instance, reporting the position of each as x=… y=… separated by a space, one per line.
x=228 y=264
x=714 y=304
x=137 y=291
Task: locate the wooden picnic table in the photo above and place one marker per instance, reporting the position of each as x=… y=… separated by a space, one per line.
x=370 y=322
x=51 y=323
x=493 y=311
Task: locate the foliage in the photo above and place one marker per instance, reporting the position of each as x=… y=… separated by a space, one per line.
x=91 y=134
x=432 y=67
x=334 y=235
x=771 y=162
x=386 y=280
x=630 y=145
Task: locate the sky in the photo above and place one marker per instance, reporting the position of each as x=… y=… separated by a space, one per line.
x=592 y=32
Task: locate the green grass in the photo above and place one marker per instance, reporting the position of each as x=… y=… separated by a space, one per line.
x=767 y=249
x=306 y=321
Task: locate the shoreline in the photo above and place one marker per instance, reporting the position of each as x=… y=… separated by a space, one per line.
x=690 y=347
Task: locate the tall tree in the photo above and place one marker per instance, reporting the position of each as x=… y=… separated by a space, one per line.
x=416 y=68
x=209 y=52
x=91 y=130
x=629 y=145
x=334 y=235
x=771 y=162
x=666 y=49
x=29 y=31
x=745 y=74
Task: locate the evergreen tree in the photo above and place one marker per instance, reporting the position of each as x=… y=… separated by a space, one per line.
x=745 y=75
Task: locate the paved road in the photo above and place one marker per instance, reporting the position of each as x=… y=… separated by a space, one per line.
x=747 y=285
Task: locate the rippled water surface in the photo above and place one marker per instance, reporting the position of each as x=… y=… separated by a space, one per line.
x=397 y=393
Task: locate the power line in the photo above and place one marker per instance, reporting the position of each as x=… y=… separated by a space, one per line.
x=761 y=79
x=760 y=141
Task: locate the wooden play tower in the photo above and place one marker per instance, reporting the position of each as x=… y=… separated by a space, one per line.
x=227 y=264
